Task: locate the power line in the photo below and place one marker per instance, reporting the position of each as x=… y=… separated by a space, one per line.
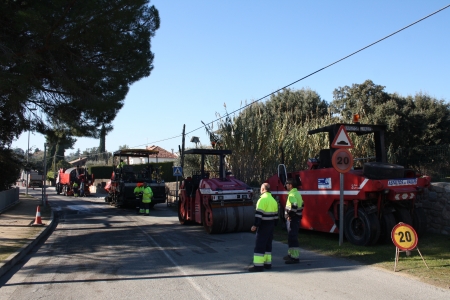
x=370 y=45
x=319 y=70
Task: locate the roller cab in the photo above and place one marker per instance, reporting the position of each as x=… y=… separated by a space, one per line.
x=215 y=198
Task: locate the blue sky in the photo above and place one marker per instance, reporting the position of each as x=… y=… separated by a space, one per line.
x=211 y=53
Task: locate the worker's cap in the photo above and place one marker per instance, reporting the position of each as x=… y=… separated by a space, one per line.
x=140 y=184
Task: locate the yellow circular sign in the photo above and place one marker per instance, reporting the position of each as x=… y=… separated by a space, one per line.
x=404 y=236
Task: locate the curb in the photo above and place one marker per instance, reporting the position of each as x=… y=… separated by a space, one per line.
x=23 y=251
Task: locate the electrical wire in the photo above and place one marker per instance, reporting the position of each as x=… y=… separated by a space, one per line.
x=280 y=89
x=370 y=45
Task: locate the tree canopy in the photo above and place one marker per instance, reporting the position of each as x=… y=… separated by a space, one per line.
x=411 y=121
x=73 y=61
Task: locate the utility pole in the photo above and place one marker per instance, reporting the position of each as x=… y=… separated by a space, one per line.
x=182 y=149
x=44 y=194
x=54 y=163
x=28 y=149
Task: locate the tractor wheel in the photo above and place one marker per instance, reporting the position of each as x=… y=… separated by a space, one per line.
x=403 y=215
x=387 y=222
x=419 y=221
x=206 y=216
x=375 y=228
x=362 y=230
x=378 y=170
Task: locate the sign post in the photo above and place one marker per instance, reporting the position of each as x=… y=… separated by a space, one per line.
x=177 y=172
x=405 y=239
x=342 y=161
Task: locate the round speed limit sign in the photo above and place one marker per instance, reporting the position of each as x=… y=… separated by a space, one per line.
x=404 y=236
x=342 y=160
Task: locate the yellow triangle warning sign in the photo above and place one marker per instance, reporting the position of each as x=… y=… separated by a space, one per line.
x=341 y=140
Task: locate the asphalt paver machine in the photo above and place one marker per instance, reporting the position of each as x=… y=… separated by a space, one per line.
x=123 y=180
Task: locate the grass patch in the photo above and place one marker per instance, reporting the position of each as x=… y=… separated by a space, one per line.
x=7 y=250
x=9 y=246
x=434 y=248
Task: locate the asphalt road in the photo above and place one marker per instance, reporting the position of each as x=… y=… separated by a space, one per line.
x=101 y=252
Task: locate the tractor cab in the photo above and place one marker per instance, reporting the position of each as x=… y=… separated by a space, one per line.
x=324 y=158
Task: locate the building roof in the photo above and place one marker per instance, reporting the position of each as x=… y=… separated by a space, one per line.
x=81 y=160
x=163 y=153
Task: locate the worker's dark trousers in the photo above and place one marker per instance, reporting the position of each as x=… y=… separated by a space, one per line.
x=292 y=227
x=263 y=247
x=146 y=206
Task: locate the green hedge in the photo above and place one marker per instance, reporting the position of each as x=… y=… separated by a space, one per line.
x=102 y=172
x=105 y=172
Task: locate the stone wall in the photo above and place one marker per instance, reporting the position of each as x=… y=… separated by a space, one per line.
x=436 y=203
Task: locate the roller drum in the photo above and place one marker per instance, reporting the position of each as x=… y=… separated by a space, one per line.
x=231 y=219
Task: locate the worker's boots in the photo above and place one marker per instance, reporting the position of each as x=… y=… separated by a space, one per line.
x=256 y=269
x=292 y=261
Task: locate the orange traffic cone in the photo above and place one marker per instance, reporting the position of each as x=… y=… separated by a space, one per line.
x=38 y=221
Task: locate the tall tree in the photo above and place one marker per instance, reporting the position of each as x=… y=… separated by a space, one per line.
x=411 y=121
x=10 y=163
x=258 y=132
x=73 y=60
x=58 y=142
x=102 y=146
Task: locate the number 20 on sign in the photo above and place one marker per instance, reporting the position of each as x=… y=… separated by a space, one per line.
x=342 y=160
x=404 y=237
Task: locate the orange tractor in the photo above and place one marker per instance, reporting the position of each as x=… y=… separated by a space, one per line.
x=66 y=178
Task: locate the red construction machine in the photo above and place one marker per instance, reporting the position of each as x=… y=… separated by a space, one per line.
x=66 y=178
x=377 y=195
x=222 y=203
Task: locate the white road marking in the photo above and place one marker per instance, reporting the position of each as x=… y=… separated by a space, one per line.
x=191 y=281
